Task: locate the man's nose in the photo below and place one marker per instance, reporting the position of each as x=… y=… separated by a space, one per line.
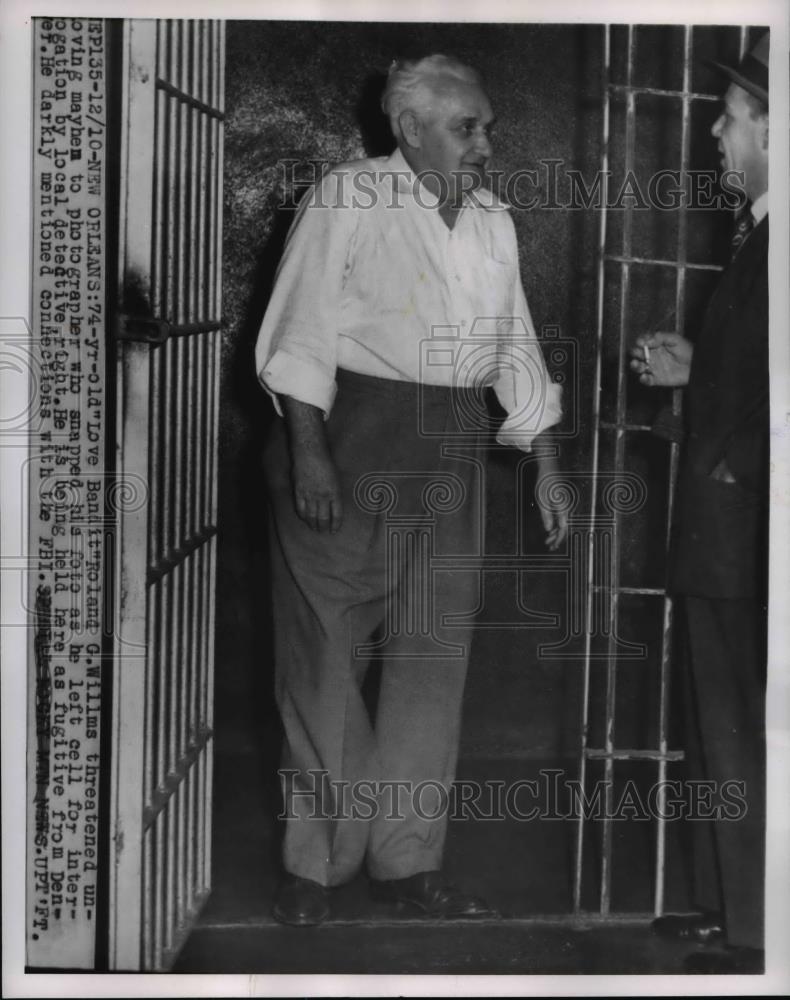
x=483 y=145
x=717 y=125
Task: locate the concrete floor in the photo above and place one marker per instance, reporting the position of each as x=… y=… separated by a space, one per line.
x=379 y=945
x=522 y=868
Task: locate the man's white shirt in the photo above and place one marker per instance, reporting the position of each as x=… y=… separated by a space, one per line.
x=372 y=280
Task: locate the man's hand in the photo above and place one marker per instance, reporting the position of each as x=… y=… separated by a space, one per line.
x=317 y=491
x=317 y=498
x=662 y=359
x=553 y=514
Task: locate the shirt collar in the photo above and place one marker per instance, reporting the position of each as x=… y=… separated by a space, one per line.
x=759 y=208
x=407 y=183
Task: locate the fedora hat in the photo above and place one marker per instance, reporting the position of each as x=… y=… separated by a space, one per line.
x=752 y=73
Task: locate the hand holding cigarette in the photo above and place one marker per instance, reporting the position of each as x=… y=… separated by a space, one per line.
x=662 y=359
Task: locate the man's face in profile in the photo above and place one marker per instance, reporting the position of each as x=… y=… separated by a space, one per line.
x=456 y=136
x=743 y=138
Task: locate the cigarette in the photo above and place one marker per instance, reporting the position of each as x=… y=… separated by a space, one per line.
x=646 y=349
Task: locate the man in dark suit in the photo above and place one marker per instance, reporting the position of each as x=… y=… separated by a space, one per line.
x=719 y=562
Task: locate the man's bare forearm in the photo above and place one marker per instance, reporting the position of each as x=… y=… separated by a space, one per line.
x=317 y=498
x=305 y=423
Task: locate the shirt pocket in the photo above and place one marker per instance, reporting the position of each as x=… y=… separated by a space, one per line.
x=495 y=286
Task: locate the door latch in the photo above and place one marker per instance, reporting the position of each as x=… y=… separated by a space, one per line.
x=144 y=329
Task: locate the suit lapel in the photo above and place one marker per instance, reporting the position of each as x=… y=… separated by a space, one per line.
x=739 y=274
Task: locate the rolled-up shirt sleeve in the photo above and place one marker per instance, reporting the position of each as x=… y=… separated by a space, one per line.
x=531 y=400
x=296 y=349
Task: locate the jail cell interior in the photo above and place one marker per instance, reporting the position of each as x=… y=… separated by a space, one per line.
x=304 y=92
x=168 y=330
x=654 y=269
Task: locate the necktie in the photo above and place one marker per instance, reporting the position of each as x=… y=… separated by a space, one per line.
x=743 y=226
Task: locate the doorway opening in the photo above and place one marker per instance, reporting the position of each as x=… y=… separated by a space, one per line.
x=523 y=711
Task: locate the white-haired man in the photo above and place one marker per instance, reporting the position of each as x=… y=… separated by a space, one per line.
x=382 y=254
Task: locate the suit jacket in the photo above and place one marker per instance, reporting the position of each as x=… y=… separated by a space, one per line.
x=720 y=543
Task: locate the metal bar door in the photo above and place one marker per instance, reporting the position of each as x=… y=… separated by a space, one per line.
x=168 y=332
x=618 y=433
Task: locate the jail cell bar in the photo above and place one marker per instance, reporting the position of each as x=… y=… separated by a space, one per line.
x=609 y=752
x=169 y=331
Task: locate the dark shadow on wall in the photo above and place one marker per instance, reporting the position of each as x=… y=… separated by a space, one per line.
x=374 y=126
x=245 y=695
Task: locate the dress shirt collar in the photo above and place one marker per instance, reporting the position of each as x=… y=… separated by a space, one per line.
x=759 y=208
x=406 y=183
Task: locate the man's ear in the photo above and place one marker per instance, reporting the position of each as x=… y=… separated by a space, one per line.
x=409 y=125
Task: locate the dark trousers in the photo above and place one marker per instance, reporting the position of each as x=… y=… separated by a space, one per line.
x=726 y=743
x=360 y=790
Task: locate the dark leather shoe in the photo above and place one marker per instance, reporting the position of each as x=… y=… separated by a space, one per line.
x=301 y=902
x=698 y=928
x=730 y=961
x=434 y=897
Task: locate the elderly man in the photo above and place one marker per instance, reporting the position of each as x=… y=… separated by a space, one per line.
x=721 y=550
x=386 y=258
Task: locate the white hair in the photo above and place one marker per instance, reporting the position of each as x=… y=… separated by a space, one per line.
x=412 y=83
